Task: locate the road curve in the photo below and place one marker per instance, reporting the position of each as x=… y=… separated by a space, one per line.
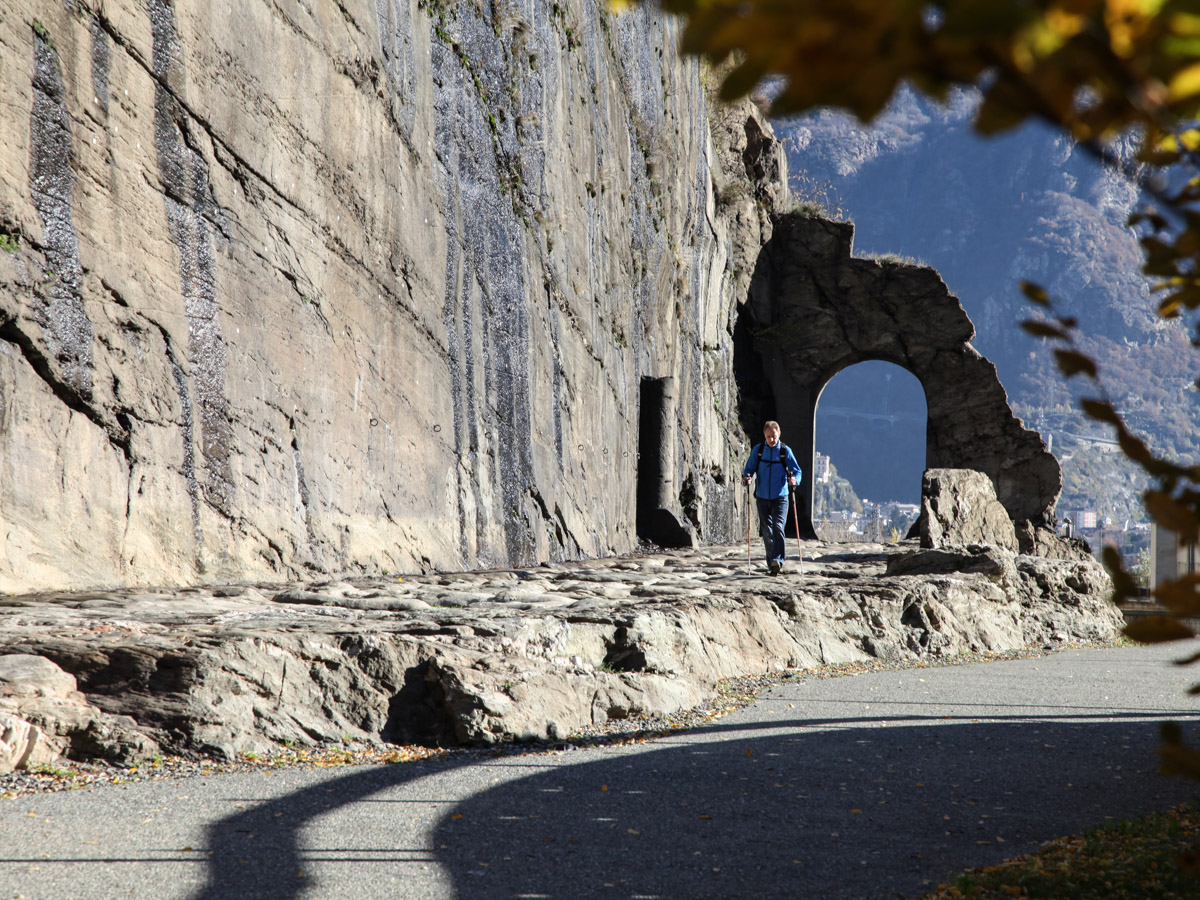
x=863 y=786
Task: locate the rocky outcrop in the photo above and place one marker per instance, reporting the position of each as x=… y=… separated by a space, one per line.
x=528 y=654
x=43 y=717
x=959 y=507
x=387 y=298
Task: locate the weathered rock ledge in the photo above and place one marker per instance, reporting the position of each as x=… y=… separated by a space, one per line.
x=502 y=655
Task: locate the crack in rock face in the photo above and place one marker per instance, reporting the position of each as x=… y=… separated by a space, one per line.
x=188 y=429
x=101 y=64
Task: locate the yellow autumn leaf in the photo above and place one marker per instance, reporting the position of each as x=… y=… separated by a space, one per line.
x=1173 y=144
x=1185 y=83
x=1064 y=22
x=1189 y=139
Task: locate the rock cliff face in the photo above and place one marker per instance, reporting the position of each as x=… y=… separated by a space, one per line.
x=352 y=286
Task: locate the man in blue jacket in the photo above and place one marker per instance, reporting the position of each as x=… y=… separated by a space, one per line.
x=776 y=470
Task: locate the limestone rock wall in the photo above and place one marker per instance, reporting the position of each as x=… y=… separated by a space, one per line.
x=351 y=286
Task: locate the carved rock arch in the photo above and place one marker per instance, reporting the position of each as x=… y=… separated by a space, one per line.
x=813 y=309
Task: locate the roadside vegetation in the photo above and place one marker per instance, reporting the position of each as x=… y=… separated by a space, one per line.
x=1151 y=856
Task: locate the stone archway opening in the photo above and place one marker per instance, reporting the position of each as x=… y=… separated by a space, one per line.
x=871 y=425
x=813 y=309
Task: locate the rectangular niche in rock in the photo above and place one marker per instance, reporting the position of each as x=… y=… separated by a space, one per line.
x=659 y=518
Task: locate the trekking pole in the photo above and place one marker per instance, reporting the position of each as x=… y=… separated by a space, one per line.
x=747 y=528
x=796 y=519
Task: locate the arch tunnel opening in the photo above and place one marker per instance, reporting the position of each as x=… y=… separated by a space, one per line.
x=871 y=443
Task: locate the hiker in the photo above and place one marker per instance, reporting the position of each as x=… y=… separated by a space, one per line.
x=777 y=470
x=1068 y=526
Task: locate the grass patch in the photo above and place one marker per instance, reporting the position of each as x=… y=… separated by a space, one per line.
x=1157 y=855
x=899 y=258
x=810 y=208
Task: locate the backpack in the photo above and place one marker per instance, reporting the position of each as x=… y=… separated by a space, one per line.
x=783 y=452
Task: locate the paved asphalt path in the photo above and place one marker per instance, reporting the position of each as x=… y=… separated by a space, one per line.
x=866 y=786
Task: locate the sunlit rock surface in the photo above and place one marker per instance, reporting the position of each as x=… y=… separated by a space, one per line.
x=533 y=653
x=357 y=287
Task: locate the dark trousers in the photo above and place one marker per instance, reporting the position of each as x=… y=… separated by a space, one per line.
x=772 y=520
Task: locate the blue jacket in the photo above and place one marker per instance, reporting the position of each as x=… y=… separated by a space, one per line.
x=771 y=483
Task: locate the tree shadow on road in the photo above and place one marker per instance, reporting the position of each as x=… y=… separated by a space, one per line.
x=786 y=809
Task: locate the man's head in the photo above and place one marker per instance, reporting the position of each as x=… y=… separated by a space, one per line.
x=771 y=433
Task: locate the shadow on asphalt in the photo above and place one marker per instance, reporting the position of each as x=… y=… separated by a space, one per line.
x=866 y=811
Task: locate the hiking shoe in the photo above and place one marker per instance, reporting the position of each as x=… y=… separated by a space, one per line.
x=773 y=567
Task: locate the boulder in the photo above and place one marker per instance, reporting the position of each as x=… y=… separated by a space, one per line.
x=44 y=717
x=1036 y=540
x=959 y=507
x=23 y=745
x=503 y=699
x=27 y=676
x=974 y=559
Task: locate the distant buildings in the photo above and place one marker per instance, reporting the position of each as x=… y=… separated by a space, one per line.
x=1081 y=519
x=821 y=469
